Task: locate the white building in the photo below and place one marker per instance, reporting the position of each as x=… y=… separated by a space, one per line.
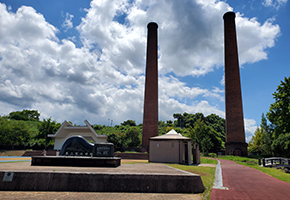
x=170 y=148
x=67 y=130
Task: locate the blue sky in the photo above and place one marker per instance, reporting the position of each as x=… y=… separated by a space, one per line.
x=86 y=59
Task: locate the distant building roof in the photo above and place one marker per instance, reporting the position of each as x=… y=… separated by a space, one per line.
x=66 y=126
x=171 y=135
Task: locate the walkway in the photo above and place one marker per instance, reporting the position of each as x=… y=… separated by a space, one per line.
x=247 y=183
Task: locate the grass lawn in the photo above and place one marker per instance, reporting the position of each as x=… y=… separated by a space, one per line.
x=253 y=163
x=207 y=174
x=208 y=161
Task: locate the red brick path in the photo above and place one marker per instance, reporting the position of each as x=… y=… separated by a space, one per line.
x=248 y=183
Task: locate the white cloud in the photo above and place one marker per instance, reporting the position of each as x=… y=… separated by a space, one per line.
x=250 y=128
x=67 y=24
x=274 y=3
x=254 y=38
x=190 y=35
x=169 y=106
x=105 y=77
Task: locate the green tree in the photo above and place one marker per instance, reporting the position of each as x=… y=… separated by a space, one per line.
x=169 y=123
x=161 y=127
x=201 y=133
x=13 y=132
x=279 y=112
x=279 y=115
x=281 y=145
x=47 y=127
x=256 y=142
x=261 y=142
x=133 y=137
x=206 y=144
x=129 y=123
x=218 y=124
x=266 y=147
x=179 y=122
x=25 y=115
x=186 y=120
x=118 y=139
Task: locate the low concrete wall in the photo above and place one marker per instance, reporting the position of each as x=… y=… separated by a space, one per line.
x=92 y=182
x=137 y=156
x=75 y=161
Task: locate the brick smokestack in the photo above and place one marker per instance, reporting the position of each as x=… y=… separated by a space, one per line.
x=150 y=113
x=235 y=132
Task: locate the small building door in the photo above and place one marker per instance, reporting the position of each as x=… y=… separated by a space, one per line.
x=185 y=145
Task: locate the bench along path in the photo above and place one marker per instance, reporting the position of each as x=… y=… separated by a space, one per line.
x=248 y=183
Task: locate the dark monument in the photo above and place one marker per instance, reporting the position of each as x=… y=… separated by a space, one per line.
x=79 y=146
x=235 y=133
x=150 y=113
x=77 y=151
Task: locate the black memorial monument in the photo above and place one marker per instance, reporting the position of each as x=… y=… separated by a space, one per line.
x=77 y=151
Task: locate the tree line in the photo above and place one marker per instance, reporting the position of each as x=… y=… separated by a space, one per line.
x=207 y=131
x=272 y=137
x=23 y=128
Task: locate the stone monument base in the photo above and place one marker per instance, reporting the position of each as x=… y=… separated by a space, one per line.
x=75 y=161
x=236 y=148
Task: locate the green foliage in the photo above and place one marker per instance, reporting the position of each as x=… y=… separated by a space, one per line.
x=281 y=146
x=124 y=135
x=133 y=137
x=29 y=131
x=118 y=139
x=204 y=135
x=256 y=142
x=208 y=132
x=25 y=115
x=273 y=139
x=13 y=132
x=262 y=140
x=212 y=155
x=266 y=137
x=162 y=127
x=204 y=160
x=279 y=112
x=279 y=115
x=47 y=127
x=129 y=123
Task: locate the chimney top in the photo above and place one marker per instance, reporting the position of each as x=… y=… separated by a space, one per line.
x=229 y=15
x=152 y=25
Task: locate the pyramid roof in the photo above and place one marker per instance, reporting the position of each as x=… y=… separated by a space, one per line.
x=171 y=135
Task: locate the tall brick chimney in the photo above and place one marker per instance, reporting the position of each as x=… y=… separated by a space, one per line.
x=235 y=132
x=150 y=113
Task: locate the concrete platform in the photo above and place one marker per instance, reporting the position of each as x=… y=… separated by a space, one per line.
x=140 y=178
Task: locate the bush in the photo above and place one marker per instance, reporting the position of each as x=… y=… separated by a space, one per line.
x=212 y=155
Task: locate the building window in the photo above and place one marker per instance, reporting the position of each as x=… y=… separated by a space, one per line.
x=157 y=145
